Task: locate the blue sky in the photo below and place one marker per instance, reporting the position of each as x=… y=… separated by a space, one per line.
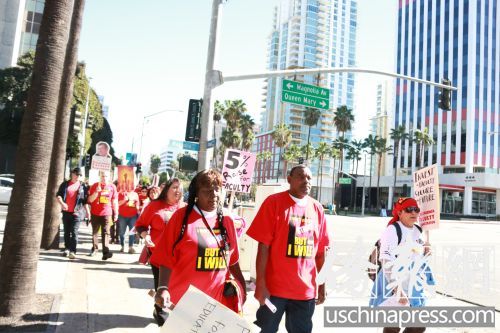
x=149 y=56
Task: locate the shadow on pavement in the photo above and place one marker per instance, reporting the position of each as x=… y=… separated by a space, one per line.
x=81 y=257
x=100 y=322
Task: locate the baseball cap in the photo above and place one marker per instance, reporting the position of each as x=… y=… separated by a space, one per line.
x=77 y=171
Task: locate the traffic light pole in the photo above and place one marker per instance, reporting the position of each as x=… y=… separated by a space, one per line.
x=211 y=81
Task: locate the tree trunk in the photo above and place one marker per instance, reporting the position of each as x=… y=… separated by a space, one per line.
x=317 y=182
x=333 y=180
x=19 y=256
x=307 y=149
x=52 y=219
x=321 y=180
x=370 y=185
x=278 y=171
x=356 y=184
x=396 y=155
x=378 y=180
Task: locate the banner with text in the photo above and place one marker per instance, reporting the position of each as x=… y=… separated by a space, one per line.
x=198 y=312
x=426 y=192
x=237 y=171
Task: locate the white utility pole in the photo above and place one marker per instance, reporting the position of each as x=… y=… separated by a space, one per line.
x=211 y=81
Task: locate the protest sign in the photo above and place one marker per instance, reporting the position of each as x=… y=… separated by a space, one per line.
x=237 y=171
x=198 y=312
x=126 y=179
x=426 y=192
x=101 y=159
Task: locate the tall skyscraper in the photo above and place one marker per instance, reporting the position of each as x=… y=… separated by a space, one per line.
x=19 y=27
x=309 y=34
x=458 y=40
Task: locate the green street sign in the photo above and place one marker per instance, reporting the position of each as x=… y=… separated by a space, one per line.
x=345 y=181
x=305 y=94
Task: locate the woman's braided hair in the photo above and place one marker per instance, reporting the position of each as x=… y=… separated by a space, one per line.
x=208 y=178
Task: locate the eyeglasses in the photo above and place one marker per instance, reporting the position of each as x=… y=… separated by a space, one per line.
x=412 y=209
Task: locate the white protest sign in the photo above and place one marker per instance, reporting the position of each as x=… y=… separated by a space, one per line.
x=237 y=171
x=101 y=163
x=426 y=192
x=198 y=312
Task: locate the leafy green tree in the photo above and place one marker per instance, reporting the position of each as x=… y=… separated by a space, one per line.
x=164 y=177
x=231 y=138
x=218 y=113
x=154 y=163
x=14 y=85
x=282 y=137
x=335 y=155
x=311 y=118
x=343 y=118
x=292 y=155
x=246 y=126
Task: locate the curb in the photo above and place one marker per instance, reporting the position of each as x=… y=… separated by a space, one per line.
x=54 y=314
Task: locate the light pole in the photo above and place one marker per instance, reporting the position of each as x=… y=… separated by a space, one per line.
x=83 y=133
x=142 y=129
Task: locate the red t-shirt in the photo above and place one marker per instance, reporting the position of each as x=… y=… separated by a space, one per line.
x=71 y=195
x=156 y=216
x=103 y=204
x=196 y=259
x=128 y=208
x=295 y=235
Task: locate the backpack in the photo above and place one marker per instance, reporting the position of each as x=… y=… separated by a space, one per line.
x=374 y=255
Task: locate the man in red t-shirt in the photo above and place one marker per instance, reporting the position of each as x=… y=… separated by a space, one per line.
x=104 y=209
x=72 y=197
x=291 y=230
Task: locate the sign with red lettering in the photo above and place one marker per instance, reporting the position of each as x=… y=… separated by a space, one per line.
x=426 y=192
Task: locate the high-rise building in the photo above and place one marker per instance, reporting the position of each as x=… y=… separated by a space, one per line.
x=19 y=27
x=309 y=34
x=458 y=40
x=379 y=123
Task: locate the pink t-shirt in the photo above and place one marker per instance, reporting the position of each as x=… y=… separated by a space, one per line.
x=295 y=235
x=196 y=259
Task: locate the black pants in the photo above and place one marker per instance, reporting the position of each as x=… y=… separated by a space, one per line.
x=298 y=315
x=71 y=225
x=162 y=314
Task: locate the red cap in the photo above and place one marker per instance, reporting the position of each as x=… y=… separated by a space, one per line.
x=400 y=205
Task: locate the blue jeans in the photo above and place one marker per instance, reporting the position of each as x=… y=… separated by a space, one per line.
x=298 y=315
x=71 y=224
x=123 y=223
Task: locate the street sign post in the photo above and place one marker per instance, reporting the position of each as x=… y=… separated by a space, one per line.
x=305 y=94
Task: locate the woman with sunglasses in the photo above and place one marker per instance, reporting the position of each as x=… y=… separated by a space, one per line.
x=402 y=234
x=153 y=221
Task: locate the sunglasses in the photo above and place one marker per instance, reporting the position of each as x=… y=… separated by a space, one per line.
x=412 y=209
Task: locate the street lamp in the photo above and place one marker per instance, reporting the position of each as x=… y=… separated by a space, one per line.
x=142 y=129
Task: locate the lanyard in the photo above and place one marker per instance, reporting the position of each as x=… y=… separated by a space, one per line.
x=222 y=249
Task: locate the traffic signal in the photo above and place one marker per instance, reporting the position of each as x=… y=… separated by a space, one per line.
x=87 y=161
x=193 y=126
x=138 y=169
x=445 y=96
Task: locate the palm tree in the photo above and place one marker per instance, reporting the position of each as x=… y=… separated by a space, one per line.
x=422 y=139
x=311 y=118
x=264 y=156
x=246 y=126
x=354 y=154
x=23 y=227
x=218 y=112
x=233 y=110
x=380 y=149
x=397 y=134
x=282 y=137
x=370 y=143
x=343 y=118
x=322 y=151
x=307 y=150
x=230 y=138
x=52 y=217
x=292 y=154
x=334 y=154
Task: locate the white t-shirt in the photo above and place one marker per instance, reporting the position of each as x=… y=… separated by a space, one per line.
x=300 y=202
x=389 y=240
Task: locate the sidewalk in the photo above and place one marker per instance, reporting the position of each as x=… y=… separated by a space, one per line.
x=111 y=296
